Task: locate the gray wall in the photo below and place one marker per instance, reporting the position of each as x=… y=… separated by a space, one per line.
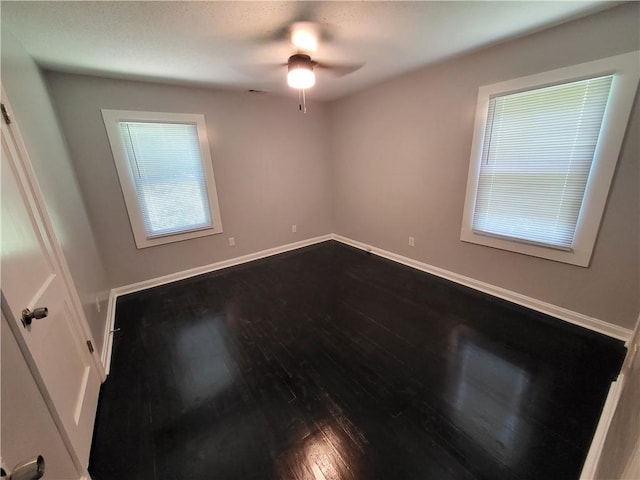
x=269 y=161
x=400 y=158
x=45 y=144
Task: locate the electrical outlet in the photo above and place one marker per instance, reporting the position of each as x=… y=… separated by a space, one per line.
x=232 y=241
x=294 y=228
x=412 y=242
x=98 y=304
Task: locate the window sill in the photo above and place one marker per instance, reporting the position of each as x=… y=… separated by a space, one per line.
x=576 y=256
x=176 y=237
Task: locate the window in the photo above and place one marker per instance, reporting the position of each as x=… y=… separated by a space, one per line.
x=544 y=152
x=164 y=165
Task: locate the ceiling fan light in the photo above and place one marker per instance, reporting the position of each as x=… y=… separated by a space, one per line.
x=301 y=77
x=304 y=39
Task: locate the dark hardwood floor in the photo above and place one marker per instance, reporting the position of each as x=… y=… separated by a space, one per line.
x=327 y=363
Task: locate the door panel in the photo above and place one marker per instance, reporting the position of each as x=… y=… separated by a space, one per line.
x=27 y=426
x=22 y=256
x=31 y=277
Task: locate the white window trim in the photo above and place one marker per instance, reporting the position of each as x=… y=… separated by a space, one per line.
x=626 y=71
x=111 y=119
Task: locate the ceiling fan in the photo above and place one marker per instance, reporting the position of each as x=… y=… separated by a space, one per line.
x=305 y=36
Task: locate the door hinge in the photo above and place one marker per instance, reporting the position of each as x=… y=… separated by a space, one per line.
x=5 y=114
x=90 y=345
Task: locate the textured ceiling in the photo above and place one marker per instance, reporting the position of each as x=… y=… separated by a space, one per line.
x=226 y=44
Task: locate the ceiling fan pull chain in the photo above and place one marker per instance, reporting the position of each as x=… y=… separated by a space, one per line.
x=302 y=100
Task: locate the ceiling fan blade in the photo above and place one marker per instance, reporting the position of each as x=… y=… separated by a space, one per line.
x=339 y=69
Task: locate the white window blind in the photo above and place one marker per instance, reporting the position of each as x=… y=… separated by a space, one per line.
x=166 y=168
x=537 y=153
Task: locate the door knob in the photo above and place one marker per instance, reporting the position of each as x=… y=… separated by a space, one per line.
x=28 y=315
x=31 y=469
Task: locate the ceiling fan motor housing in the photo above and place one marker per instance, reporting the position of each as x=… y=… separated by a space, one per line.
x=300 y=60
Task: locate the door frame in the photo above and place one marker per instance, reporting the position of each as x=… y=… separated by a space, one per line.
x=27 y=179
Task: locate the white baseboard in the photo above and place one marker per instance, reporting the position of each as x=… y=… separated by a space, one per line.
x=570 y=316
x=517 y=298
x=192 y=272
x=593 y=457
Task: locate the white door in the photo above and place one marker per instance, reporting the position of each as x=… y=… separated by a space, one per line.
x=27 y=427
x=32 y=277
